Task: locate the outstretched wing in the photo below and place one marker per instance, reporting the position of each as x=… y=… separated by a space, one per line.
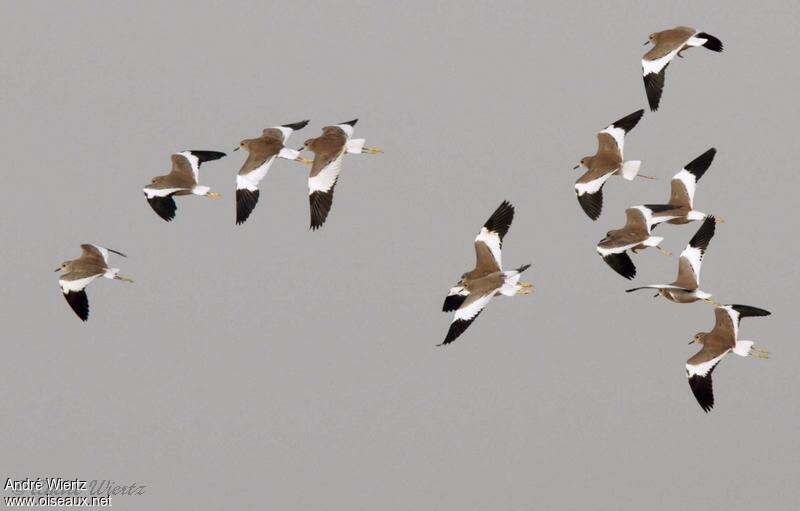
x=489 y=242
x=465 y=315
x=698 y=371
x=691 y=258
x=684 y=182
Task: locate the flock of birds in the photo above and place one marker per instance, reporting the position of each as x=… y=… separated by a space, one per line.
x=487 y=279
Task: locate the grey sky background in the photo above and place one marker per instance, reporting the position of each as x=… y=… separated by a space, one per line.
x=270 y=367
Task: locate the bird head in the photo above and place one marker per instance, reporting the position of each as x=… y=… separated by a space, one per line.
x=698 y=338
x=62 y=266
x=585 y=162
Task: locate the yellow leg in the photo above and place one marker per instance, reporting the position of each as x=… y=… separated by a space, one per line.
x=306 y=161
x=665 y=252
x=123 y=279
x=371 y=150
x=213 y=195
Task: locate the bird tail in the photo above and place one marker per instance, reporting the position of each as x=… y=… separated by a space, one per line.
x=712 y=43
x=630 y=169
x=743 y=348
x=355 y=145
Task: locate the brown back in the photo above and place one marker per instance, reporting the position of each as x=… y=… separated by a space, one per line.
x=326 y=148
x=678 y=194
x=668 y=41
x=261 y=149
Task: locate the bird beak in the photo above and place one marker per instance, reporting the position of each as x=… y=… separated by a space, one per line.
x=646 y=43
x=692 y=341
x=237 y=148
x=301 y=148
x=576 y=167
x=58 y=269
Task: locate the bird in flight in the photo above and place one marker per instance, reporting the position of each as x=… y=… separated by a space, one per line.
x=686 y=288
x=683 y=186
x=181 y=180
x=329 y=150
x=634 y=236
x=477 y=287
x=79 y=273
x=666 y=45
x=262 y=152
x=716 y=344
x=606 y=162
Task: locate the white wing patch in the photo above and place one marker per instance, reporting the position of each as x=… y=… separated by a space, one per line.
x=458 y=290
x=285 y=132
x=326 y=178
x=618 y=134
x=734 y=319
x=655 y=66
x=614 y=250
x=348 y=130
x=703 y=368
x=469 y=312
x=696 y=41
x=77 y=284
x=250 y=180
x=592 y=186
x=689 y=183
x=194 y=162
x=492 y=240
x=160 y=192
x=695 y=258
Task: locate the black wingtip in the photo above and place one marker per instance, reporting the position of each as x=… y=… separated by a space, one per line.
x=501 y=219
x=592 y=204
x=700 y=165
x=79 y=303
x=296 y=125
x=350 y=123
x=164 y=207
x=204 y=156
x=457 y=328
x=654 y=86
x=748 y=311
x=321 y=203
x=659 y=208
x=703 y=390
x=453 y=302
x=630 y=121
x=704 y=234
x=246 y=201
x=712 y=43
x=622 y=264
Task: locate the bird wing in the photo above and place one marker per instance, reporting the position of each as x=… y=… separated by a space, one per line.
x=684 y=182
x=489 y=242
x=617 y=131
x=91 y=251
x=698 y=371
x=691 y=258
x=472 y=306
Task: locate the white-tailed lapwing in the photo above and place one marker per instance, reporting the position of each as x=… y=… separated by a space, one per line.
x=329 y=150
x=477 y=287
x=181 y=180
x=716 y=344
x=634 y=236
x=262 y=152
x=667 y=44
x=686 y=288
x=79 y=273
x=606 y=162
